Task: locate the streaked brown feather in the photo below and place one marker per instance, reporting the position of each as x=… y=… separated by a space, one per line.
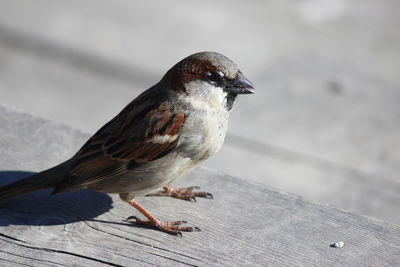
x=124 y=143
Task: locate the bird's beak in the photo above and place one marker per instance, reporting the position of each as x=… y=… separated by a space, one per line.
x=241 y=85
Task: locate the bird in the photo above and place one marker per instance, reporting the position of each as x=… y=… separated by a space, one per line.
x=160 y=136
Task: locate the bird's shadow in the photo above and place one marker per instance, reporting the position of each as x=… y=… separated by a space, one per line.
x=42 y=208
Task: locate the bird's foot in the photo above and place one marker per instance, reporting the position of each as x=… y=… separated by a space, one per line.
x=186 y=193
x=173 y=228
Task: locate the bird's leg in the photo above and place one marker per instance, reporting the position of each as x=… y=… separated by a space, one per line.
x=168 y=227
x=186 y=193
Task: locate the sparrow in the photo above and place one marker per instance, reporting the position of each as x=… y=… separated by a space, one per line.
x=157 y=138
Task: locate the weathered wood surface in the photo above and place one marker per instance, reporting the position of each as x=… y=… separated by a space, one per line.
x=324 y=121
x=245 y=224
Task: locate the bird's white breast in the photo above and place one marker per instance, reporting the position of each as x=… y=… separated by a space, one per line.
x=204 y=129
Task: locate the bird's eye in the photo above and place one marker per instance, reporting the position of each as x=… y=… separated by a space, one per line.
x=215 y=76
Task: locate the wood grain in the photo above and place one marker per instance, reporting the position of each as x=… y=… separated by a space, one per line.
x=246 y=224
x=326 y=105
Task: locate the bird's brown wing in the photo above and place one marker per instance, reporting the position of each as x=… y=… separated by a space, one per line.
x=142 y=132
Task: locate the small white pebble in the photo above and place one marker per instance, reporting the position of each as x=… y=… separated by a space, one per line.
x=339 y=244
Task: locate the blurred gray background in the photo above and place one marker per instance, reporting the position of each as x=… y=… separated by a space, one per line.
x=324 y=122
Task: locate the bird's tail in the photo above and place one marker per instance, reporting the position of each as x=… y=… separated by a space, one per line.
x=36 y=182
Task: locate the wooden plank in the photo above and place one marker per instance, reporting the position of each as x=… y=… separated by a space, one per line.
x=327 y=87
x=244 y=225
x=347 y=187
x=318 y=180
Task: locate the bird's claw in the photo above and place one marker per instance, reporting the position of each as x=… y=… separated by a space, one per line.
x=182 y=193
x=174 y=227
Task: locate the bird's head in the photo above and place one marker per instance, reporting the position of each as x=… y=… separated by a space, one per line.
x=208 y=79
